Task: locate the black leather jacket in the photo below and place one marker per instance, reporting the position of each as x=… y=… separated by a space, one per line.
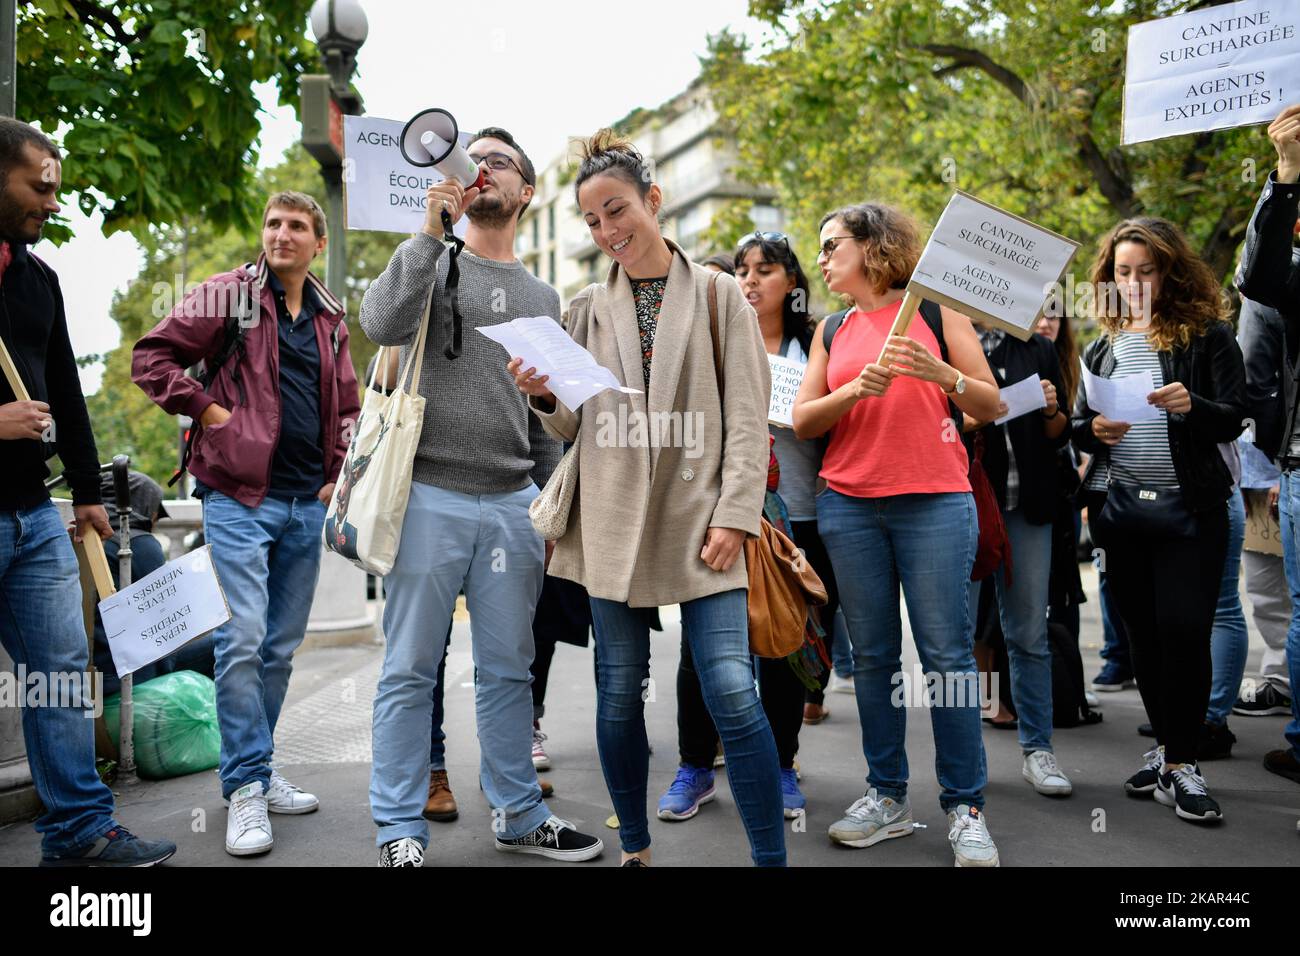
x=1212 y=370
x=1270 y=275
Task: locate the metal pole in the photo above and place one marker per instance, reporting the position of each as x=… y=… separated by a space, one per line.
x=8 y=56
x=336 y=250
x=126 y=731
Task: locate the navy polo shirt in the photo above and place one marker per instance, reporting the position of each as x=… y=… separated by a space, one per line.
x=298 y=466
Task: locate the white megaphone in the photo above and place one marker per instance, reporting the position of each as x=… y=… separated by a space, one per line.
x=432 y=138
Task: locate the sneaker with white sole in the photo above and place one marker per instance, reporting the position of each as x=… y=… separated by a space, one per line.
x=1183 y=788
x=969 y=836
x=1143 y=783
x=284 y=797
x=1041 y=770
x=557 y=839
x=540 y=759
x=404 y=852
x=248 y=829
x=840 y=685
x=872 y=819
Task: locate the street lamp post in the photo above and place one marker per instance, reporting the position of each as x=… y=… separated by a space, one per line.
x=340 y=28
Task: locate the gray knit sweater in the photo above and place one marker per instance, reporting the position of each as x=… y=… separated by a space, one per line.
x=478 y=436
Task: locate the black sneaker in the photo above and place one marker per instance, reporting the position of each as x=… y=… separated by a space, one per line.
x=1216 y=742
x=1268 y=702
x=557 y=839
x=1183 y=788
x=1143 y=783
x=117 y=847
x=1146 y=730
x=636 y=861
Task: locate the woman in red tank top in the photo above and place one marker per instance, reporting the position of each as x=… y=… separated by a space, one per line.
x=898 y=510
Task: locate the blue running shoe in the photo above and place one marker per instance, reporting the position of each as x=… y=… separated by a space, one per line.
x=790 y=794
x=689 y=790
x=117 y=847
x=1113 y=678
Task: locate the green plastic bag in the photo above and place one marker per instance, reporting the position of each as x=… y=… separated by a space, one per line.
x=176 y=728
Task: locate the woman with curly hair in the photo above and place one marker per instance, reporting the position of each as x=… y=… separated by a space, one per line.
x=1158 y=490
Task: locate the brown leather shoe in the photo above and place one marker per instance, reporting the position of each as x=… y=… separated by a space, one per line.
x=441 y=805
x=814 y=713
x=547 y=789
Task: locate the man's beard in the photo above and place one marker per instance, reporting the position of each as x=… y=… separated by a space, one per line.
x=15 y=226
x=493 y=212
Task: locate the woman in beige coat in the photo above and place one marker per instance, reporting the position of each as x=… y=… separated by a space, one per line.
x=671 y=481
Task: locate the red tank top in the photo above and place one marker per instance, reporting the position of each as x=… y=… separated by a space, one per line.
x=902 y=444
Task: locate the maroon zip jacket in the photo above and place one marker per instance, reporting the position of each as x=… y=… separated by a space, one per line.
x=235 y=457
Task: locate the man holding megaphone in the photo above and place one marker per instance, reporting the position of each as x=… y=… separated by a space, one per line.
x=480 y=461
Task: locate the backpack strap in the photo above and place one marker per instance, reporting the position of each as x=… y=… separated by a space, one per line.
x=933 y=316
x=833 y=323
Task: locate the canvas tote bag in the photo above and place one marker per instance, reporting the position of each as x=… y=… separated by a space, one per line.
x=364 y=520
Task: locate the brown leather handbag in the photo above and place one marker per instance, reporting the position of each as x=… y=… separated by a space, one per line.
x=782 y=584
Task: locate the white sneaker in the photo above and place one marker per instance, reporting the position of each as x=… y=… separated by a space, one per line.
x=840 y=685
x=1091 y=699
x=284 y=797
x=540 y=760
x=871 y=820
x=969 y=836
x=1040 y=769
x=404 y=852
x=248 y=830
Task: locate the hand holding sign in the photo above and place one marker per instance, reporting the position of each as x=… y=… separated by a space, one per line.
x=1285 y=134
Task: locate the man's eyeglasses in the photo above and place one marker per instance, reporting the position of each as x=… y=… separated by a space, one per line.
x=831 y=244
x=497 y=162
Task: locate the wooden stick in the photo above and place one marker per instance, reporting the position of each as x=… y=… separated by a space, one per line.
x=11 y=373
x=92 y=550
x=906 y=309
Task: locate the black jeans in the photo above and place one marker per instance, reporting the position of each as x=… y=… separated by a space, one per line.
x=1166 y=591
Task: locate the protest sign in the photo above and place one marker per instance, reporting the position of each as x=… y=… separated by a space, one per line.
x=1214 y=68
x=988 y=264
x=162 y=612
x=787 y=376
x=381 y=190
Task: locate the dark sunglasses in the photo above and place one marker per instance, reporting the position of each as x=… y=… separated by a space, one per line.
x=831 y=244
x=759 y=236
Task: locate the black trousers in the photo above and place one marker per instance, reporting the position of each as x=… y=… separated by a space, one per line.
x=1166 y=591
x=781 y=692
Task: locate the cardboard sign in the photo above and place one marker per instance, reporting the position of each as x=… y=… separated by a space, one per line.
x=381 y=190
x=991 y=265
x=1215 y=68
x=787 y=376
x=161 y=613
x=1263 y=533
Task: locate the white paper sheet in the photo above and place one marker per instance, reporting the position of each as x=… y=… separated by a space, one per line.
x=787 y=376
x=1121 y=399
x=575 y=375
x=1022 y=398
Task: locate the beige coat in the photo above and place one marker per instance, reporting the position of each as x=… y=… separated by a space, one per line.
x=647 y=497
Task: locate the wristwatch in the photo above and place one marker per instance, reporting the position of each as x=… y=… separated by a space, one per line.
x=959 y=388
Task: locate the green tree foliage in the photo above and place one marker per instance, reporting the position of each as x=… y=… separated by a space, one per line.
x=157 y=99
x=125 y=420
x=1016 y=101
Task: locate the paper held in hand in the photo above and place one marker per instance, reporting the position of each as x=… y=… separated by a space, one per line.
x=381 y=190
x=575 y=375
x=1121 y=399
x=787 y=376
x=161 y=613
x=1022 y=398
x=1215 y=68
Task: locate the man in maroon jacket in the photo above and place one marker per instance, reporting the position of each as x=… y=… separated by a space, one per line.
x=274 y=423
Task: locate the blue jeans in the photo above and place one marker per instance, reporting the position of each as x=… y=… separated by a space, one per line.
x=717 y=630
x=1289 y=509
x=1229 y=641
x=268 y=560
x=1114 y=647
x=841 y=649
x=42 y=629
x=485 y=544
x=926 y=543
x=1022 y=609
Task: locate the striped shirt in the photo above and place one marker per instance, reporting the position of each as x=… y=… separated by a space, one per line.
x=1142 y=455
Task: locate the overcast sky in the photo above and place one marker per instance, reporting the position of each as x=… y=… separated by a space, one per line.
x=545 y=73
